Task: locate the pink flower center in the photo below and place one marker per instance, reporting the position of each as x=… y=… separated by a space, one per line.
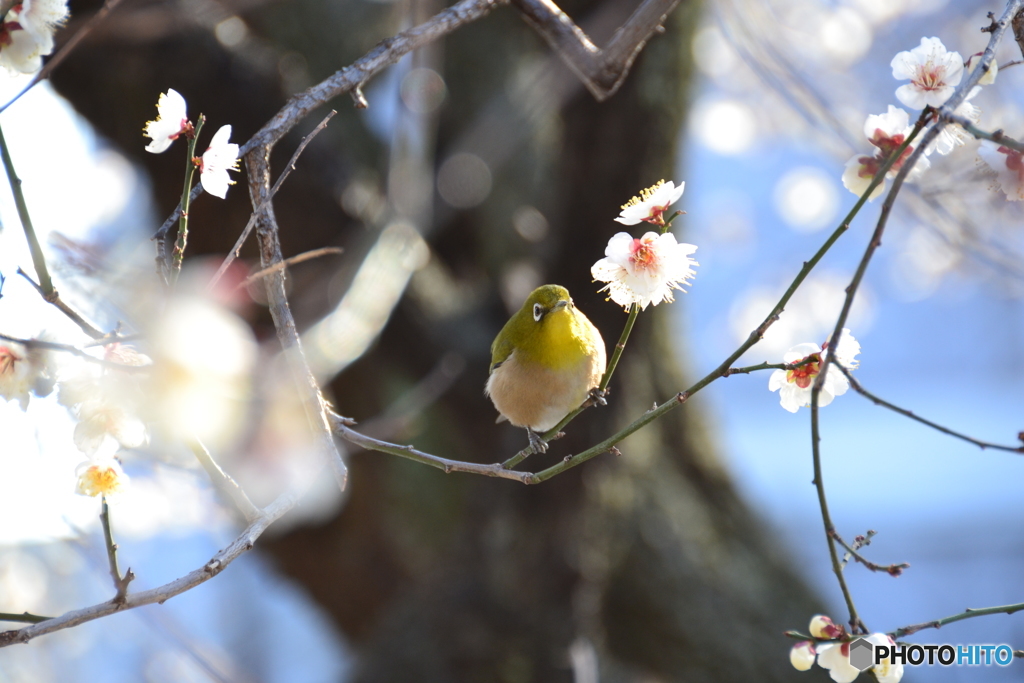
x=5 y=32
x=805 y=374
x=930 y=77
x=7 y=360
x=642 y=255
x=1014 y=161
x=102 y=480
x=655 y=216
x=886 y=146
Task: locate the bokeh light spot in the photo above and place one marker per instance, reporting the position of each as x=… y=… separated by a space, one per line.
x=464 y=180
x=724 y=126
x=806 y=198
x=423 y=90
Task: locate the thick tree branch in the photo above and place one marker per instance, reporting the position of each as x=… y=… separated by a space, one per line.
x=602 y=71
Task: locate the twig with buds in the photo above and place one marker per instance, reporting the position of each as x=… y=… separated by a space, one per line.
x=120 y=582
x=917 y=418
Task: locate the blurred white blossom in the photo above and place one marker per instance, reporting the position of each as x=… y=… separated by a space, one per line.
x=101 y=476
x=24 y=371
x=200 y=381
x=26 y=34
x=953 y=136
x=1008 y=166
x=106 y=401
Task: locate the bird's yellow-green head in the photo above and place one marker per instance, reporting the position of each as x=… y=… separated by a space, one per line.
x=547 y=330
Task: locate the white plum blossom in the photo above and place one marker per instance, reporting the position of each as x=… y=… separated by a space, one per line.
x=933 y=72
x=101 y=419
x=16 y=375
x=219 y=158
x=42 y=18
x=20 y=52
x=802 y=656
x=644 y=271
x=886 y=671
x=101 y=476
x=795 y=385
x=651 y=204
x=993 y=69
x=26 y=33
x=886 y=132
x=105 y=402
x=24 y=371
x=1008 y=166
x=953 y=136
x=857 y=176
x=822 y=626
x=836 y=658
x=171 y=121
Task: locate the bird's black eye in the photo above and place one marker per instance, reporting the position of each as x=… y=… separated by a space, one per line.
x=538 y=312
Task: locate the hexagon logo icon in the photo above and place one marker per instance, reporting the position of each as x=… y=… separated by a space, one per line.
x=862 y=654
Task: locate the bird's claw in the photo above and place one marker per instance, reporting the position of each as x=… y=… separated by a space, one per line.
x=538 y=444
x=597 y=397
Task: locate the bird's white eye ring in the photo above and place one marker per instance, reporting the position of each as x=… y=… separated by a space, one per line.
x=538 y=312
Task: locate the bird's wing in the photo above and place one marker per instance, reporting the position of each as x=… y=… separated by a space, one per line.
x=501 y=350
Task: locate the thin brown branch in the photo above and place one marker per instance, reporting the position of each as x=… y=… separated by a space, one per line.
x=343 y=429
x=54 y=298
x=24 y=617
x=934 y=425
x=223 y=481
x=235 y=250
x=257 y=165
x=120 y=582
x=290 y=261
x=74 y=350
x=969 y=613
x=894 y=569
x=996 y=136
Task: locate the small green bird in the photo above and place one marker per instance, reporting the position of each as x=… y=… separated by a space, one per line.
x=544 y=362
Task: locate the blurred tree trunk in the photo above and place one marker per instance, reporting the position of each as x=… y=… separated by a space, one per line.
x=648 y=565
